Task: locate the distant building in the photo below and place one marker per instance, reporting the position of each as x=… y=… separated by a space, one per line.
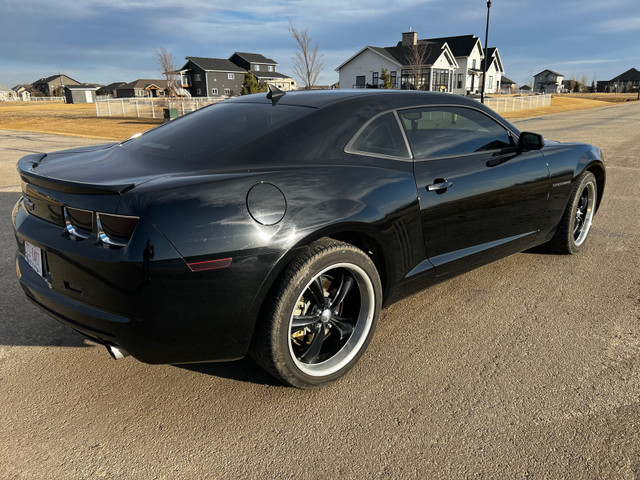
x=507 y=85
x=50 y=85
x=110 y=89
x=80 y=93
x=143 y=88
x=211 y=77
x=628 y=81
x=23 y=91
x=495 y=70
x=264 y=69
x=6 y=93
x=364 y=69
x=548 y=81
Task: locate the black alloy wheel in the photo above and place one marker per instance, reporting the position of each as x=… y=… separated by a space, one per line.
x=323 y=315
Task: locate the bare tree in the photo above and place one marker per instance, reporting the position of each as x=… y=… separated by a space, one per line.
x=167 y=67
x=416 y=61
x=307 y=64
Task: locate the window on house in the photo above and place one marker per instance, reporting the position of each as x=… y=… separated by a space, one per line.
x=214 y=91
x=440 y=80
x=459 y=81
x=474 y=63
x=452 y=131
x=360 y=81
x=227 y=91
x=375 y=79
x=198 y=91
x=270 y=68
x=490 y=82
x=256 y=68
x=231 y=76
x=394 y=79
x=197 y=77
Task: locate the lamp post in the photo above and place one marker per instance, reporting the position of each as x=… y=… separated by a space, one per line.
x=486 y=47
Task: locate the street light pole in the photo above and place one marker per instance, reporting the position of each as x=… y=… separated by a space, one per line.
x=486 y=47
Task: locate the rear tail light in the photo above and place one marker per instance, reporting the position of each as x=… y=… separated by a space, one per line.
x=115 y=230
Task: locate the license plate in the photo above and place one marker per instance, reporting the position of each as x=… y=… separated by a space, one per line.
x=33 y=255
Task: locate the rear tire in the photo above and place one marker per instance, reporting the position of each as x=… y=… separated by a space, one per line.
x=321 y=316
x=576 y=221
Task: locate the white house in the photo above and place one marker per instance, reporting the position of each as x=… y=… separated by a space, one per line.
x=548 y=81
x=364 y=69
x=469 y=55
x=495 y=71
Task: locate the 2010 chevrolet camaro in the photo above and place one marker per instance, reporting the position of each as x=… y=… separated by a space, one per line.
x=278 y=225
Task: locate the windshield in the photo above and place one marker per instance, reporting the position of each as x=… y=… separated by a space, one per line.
x=212 y=130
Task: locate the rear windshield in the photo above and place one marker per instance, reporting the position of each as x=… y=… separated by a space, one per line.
x=212 y=130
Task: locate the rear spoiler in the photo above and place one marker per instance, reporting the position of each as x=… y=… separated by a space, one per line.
x=26 y=167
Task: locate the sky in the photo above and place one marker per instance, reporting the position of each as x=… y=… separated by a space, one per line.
x=98 y=41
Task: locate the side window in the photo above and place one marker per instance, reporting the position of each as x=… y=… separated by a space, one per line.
x=449 y=131
x=382 y=136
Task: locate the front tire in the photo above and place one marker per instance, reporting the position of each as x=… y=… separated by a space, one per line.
x=576 y=221
x=321 y=317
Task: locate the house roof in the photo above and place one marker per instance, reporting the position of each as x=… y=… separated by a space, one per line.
x=494 y=55
x=52 y=78
x=214 y=64
x=631 y=75
x=143 y=83
x=4 y=88
x=25 y=86
x=549 y=71
x=81 y=87
x=461 y=45
x=113 y=86
x=506 y=81
x=401 y=54
x=254 y=58
x=266 y=75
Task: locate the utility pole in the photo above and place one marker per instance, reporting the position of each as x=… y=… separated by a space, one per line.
x=486 y=47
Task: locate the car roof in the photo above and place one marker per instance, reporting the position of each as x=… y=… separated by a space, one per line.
x=382 y=99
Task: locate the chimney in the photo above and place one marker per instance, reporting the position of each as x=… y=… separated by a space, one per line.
x=409 y=38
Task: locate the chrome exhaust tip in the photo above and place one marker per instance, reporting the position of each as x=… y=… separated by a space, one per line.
x=116 y=352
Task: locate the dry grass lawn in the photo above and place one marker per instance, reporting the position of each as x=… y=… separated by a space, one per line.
x=81 y=121
x=77 y=120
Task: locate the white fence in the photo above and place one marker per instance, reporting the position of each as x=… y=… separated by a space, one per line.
x=502 y=104
x=150 y=107
x=16 y=98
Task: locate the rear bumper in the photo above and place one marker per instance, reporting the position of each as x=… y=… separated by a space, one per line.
x=155 y=308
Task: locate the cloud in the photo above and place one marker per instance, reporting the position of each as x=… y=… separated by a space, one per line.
x=619 y=25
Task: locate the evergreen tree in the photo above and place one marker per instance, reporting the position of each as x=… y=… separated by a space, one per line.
x=386 y=79
x=252 y=85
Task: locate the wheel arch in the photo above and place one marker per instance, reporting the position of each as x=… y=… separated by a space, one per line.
x=598 y=171
x=356 y=235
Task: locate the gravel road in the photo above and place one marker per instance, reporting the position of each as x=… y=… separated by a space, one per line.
x=525 y=368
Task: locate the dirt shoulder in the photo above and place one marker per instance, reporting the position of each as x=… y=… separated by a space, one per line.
x=81 y=121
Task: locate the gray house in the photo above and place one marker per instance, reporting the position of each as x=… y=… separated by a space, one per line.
x=264 y=69
x=548 y=81
x=210 y=77
x=49 y=85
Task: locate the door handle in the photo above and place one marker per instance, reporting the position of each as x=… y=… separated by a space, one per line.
x=440 y=185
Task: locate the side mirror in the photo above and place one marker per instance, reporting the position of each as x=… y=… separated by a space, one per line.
x=530 y=141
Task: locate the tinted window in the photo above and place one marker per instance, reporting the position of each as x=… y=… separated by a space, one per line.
x=211 y=130
x=448 y=131
x=381 y=136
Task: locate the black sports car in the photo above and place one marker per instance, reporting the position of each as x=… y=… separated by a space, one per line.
x=278 y=225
